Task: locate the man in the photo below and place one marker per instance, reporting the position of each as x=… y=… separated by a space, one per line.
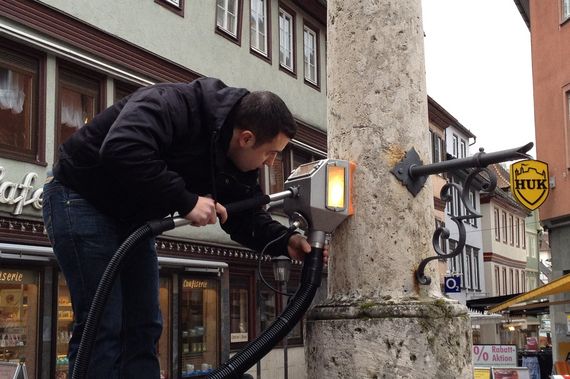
x=186 y=148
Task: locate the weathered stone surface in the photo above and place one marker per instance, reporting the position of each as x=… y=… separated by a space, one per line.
x=378 y=322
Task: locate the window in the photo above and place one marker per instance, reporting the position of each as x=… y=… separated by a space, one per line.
x=497 y=224
x=567 y=121
x=497 y=281
x=511 y=280
x=227 y=17
x=79 y=94
x=19 y=319
x=165 y=342
x=286 y=40
x=511 y=230
x=176 y=6
x=517 y=232
x=442 y=243
x=123 y=89
x=504 y=286
x=436 y=148
x=565 y=9
x=267 y=305
x=476 y=273
x=463 y=150
x=468 y=268
x=473 y=203
x=199 y=323
x=517 y=281
x=452 y=262
x=458 y=204
x=310 y=56
x=259 y=26
x=276 y=174
x=532 y=246
x=21 y=75
x=455 y=146
x=290 y=158
x=504 y=220
x=240 y=330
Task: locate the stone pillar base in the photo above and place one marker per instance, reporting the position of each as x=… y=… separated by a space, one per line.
x=377 y=339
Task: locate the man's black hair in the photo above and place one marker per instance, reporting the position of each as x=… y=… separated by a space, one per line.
x=265 y=115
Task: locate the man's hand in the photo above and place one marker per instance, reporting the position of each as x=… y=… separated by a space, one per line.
x=298 y=247
x=206 y=211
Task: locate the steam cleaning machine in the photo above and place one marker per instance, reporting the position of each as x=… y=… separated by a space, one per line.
x=317 y=197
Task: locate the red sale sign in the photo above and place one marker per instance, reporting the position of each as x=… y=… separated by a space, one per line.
x=494 y=355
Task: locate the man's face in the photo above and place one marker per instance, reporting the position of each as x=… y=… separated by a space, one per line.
x=247 y=156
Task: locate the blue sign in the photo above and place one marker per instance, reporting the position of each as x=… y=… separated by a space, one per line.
x=452 y=283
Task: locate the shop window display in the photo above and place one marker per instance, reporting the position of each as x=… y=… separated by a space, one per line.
x=19 y=317
x=165 y=342
x=64 y=328
x=199 y=326
x=239 y=310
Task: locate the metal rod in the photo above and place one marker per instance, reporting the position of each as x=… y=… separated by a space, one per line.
x=480 y=159
x=290 y=192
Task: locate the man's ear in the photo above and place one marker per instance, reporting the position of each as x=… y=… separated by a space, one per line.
x=246 y=138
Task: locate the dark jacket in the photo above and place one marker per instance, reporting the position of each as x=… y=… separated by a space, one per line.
x=154 y=152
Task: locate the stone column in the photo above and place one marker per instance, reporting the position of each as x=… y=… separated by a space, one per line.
x=378 y=322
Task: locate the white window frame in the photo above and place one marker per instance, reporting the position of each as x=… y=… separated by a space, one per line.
x=455 y=146
x=176 y=3
x=497 y=218
x=463 y=149
x=313 y=68
x=256 y=35
x=224 y=7
x=289 y=38
x=565 y=9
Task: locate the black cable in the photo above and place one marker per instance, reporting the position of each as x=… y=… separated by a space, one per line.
x=259 y=263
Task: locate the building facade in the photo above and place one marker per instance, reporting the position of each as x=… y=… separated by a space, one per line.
x=60 y=64
x=548 y=23
x=469 y=263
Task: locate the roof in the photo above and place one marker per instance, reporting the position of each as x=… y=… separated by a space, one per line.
x=524 y=9
x=439 y=116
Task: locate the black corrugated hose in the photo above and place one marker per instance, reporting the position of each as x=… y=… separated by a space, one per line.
x=237 y=365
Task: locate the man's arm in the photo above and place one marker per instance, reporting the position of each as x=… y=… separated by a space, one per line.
x=132 y=150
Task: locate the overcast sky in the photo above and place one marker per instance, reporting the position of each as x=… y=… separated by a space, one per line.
x=478 y=67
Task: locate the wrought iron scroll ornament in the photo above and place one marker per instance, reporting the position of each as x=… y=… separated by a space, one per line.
x=488 y=186
x=412 y=173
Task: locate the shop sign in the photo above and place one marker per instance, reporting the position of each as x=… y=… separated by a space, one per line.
x=482 y=373
x=529 y=183
x=452 y=284
x=11 y=277
x=238 y=337
x=20 y=194
x=494 y=355
x=193 y=284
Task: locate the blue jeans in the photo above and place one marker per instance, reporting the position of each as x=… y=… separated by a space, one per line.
x=84 y=240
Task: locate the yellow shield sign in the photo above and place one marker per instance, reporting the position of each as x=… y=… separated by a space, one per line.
x=529 y=183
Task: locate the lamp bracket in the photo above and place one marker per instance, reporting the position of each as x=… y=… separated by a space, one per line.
x=412 y=173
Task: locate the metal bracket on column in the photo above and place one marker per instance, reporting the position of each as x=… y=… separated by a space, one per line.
x=413 y=174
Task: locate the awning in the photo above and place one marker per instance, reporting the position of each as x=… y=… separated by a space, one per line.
x=557 y=286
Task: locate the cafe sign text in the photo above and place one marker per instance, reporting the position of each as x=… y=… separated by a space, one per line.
x=20 y=194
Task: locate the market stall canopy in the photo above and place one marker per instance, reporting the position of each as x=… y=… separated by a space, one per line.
x=557 y=286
